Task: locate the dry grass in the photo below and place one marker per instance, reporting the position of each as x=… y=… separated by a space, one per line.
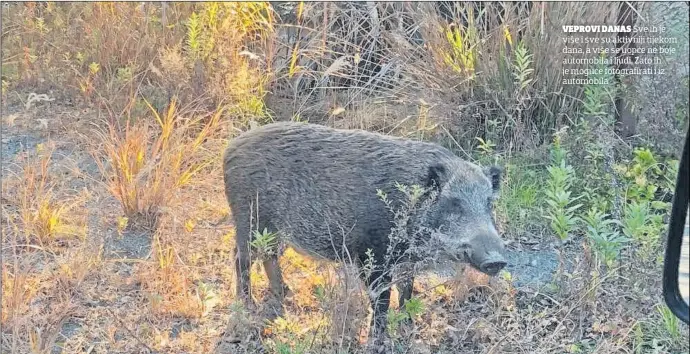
x=465 y=72
x=43 y=217
x=175 y=80
x=146 y=168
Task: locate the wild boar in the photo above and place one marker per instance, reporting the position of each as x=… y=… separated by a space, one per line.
x=320 y=189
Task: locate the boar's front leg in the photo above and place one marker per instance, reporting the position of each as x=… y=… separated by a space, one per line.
x=378 y=286
x=405 y=289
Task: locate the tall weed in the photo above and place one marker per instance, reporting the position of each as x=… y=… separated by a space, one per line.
x=559 y=195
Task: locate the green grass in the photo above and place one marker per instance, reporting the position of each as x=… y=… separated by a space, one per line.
x=520 y=203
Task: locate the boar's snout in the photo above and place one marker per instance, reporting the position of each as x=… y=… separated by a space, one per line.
x=486 y=254
x=493 y=264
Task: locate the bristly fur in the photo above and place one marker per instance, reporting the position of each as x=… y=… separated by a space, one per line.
x=319 y=189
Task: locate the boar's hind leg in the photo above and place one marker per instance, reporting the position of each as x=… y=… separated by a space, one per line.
x=277 y=286
x=275 y=277
x=243 y=259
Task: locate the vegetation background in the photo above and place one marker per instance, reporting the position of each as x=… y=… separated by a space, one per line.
x=115 y=115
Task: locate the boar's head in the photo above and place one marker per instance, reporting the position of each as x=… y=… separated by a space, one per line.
x=459 y=220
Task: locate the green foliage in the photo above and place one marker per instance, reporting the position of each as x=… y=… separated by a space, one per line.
x=412 y=193
x=369 y=263
x=662 y=332
x=520 y=199
x=485 y=147
x=643 y=225
x=194 y=29
x=207 y=296
x=596 y=189
x=414 y=307
x=645 y=177
x=645 y=181
x=561 y=176
x=395 y=318
x=215 y=38
x=598 y=98
x=606 y=242
x=202 y=30
x=636 y=219
x=590 y=139
x=557 y=153
x=265 y=242
x=559 y=198
x=410 y=310
x=287 y=348
x=320 y=293
x=670 y=321
x=523 y=70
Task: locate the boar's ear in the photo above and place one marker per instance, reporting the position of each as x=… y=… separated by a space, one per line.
x=436 y=176
x=495 y=173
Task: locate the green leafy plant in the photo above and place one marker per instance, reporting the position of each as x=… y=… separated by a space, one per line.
x=644 y=226
x=523 y=63
x=559 y=198
x=194 y=34
x=597 y=96
x=486 y=147
x=606 y=242
x=414 y=307
x=558 y=153
x=636 y=219
x=265 y=242
x=207 y=296
x=646 y=177
x=410 y=310
x=395 y=318
x=641 y=174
